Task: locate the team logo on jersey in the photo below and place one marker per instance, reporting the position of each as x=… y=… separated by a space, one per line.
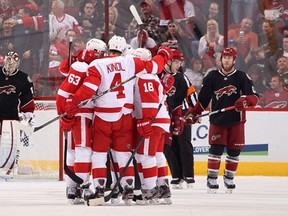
x=277 y=104
x=228 y=90
x=8 y=89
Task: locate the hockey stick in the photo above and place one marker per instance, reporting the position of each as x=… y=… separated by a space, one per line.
x=189 y=116
x=95 y=97
x=102 y=200
x=114 y=167
x=136 y=16
x=70 y=52
x=70 y=173
x=216 y=111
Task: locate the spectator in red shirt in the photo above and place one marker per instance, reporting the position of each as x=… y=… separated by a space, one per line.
x=277 y=96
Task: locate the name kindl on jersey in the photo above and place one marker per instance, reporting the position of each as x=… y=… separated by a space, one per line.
x=115 y=67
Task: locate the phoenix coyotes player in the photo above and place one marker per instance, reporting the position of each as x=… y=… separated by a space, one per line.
x=16 y=99
x=223 y=88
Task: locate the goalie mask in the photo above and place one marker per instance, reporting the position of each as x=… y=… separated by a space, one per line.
x=11 y=63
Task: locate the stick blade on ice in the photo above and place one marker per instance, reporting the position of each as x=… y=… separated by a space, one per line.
x=95 y=202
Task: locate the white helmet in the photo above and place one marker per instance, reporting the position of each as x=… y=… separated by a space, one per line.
x=96 y=44
x=11 y=63
x=143 y=54
x=128 y=50
x=117 y=43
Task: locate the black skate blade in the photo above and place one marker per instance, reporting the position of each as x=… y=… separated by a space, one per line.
x=95 y=202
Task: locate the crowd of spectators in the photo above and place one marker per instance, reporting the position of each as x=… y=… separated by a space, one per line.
x=257 y=29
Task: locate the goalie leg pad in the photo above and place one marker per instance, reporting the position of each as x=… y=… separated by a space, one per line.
x=10 y=137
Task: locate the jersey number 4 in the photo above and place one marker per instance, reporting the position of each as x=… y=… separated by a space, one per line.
x=120 y=90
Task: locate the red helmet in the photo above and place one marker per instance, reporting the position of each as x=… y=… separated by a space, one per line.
x=176 y=54
x=229 y=51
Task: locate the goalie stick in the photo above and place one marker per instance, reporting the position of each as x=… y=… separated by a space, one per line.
x=95 y=97
x=102 y=200
x=136 y=16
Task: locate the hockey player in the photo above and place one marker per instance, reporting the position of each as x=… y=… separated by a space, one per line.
x=113 y=123
x=80 y=138
x=179 y=153
x=16 y=99
x=152 y=124
x=223 y=88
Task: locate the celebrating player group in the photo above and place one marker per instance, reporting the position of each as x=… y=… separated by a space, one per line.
x=113 y=111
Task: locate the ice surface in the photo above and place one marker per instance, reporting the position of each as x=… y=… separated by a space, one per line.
x=253 y=196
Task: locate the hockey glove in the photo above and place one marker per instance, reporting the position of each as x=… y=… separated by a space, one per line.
x=192 y=113
x=144 y=127
x=87 y=55
x=28 y=118
x=67 y=123
x=244 y=102
x=168 y=81
x=71 y=106
x=177 y=123
x=166 y=52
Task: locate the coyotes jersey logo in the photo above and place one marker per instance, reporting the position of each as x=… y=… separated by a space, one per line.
x=228 y=90
x=277 y=104
x=8 y=89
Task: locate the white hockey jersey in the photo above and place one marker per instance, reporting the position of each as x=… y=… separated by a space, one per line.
x=105 y=73
x=77 y=74
x=148 y=95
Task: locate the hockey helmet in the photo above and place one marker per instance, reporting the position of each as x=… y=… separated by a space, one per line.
x=128 y=50
x=229 y=51
x=177 y=55
x=11 y=63
x=96 y=44
x=117 y=43
x=143 y=54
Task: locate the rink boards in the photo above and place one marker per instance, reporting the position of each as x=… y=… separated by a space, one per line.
x=265 y=153
x=266 y=148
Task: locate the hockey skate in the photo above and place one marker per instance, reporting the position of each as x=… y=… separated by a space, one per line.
x=177 y=183
x=73 y=194
x=149 y=194
x=99 y=192
x=190 y=181
x=212 y=185
x=86 y=192
x=138 y=198
x=128 y=192
x=165 y=194
x=228 y=183
x=115 y=198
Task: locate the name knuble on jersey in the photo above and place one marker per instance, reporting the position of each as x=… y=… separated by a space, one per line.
x=228 y=90
x=8 y=89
